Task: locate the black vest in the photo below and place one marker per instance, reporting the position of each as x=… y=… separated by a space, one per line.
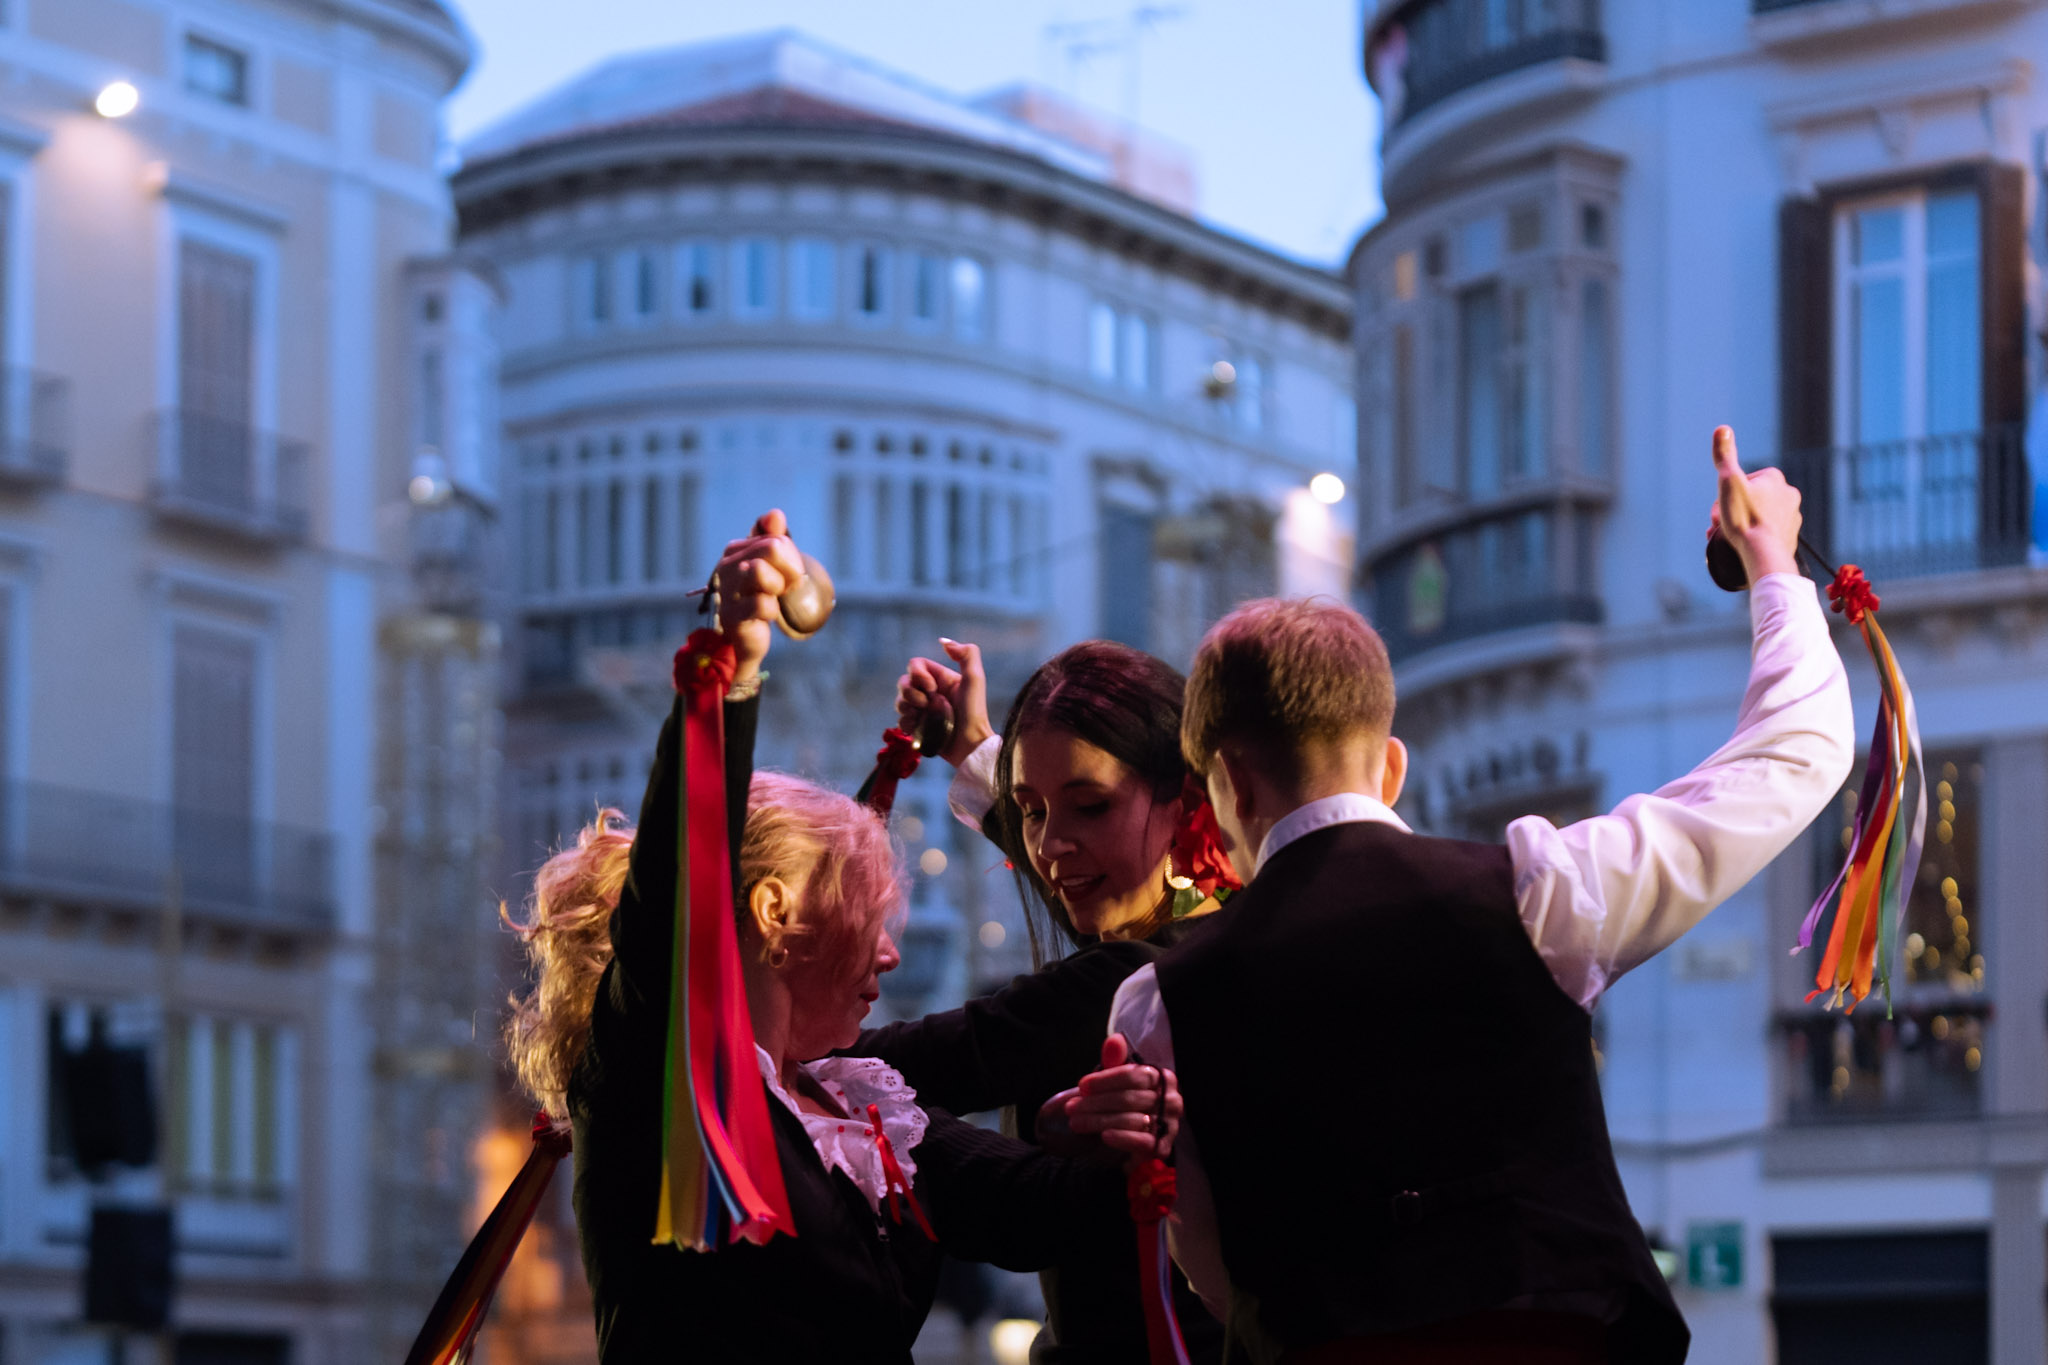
x=1396 y=1106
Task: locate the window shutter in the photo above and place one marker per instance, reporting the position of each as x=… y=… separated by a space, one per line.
x=1805 y=422
x=216 y=319
x=2002 y=476
x=213 y=723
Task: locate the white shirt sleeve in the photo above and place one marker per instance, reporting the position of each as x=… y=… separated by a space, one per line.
x=972 y=793
x=1604 y=895
x=1139 y=1014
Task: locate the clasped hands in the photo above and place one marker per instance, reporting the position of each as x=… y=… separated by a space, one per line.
x=1127 y=1107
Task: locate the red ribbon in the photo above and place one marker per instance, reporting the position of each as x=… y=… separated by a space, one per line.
x=895 y=760
x=1150 y=1188
x=892 y=1179
x=731 y=1105
x=458 y=1314
x=1851 y=594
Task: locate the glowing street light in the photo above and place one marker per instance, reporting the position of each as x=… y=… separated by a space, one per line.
x=1326 y=489
x=117 y=100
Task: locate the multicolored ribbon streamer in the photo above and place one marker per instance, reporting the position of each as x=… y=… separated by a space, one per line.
x=893 y=1183
x=1877 y=877
x=1150 y=1187
x=716 y=1135
x=450 y=1331
x=896 y=760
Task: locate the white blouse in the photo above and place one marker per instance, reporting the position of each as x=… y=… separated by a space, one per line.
x=848 y=1144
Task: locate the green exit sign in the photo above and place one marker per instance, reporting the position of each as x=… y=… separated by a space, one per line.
x=1713 y=1255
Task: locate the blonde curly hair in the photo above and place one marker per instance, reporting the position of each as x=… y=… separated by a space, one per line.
x=839 y=852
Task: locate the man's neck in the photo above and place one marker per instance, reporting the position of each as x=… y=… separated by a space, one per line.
x=1289 y=801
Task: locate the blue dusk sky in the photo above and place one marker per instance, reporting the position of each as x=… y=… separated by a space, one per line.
x=1268 y=94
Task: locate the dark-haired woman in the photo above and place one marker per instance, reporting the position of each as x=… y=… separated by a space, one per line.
x=1086 y=793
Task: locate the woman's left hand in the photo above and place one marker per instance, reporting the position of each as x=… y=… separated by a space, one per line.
x=1134 y=1107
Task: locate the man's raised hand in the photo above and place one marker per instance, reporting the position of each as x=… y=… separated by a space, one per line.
x=1757 y=513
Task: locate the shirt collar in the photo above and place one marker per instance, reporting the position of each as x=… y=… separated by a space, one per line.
x=1345 y=808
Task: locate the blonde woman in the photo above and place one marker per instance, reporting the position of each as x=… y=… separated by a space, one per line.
x=817 y=882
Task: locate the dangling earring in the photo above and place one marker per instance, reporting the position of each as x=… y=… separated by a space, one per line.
x=776 y=956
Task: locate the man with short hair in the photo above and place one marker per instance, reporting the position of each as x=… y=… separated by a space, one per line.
x=1455 y=1197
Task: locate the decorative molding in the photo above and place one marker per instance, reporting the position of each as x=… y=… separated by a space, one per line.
x=1977 y=81
x=166 y=181
x=216 y=596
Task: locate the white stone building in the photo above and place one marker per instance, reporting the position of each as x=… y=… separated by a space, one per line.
x=213 y=393
x=1610 y=227
x=980 y=376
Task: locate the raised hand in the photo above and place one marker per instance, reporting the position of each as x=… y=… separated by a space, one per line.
x=1134 y=1107
x=1757 y=513
x=752 y=573
x=964 y=690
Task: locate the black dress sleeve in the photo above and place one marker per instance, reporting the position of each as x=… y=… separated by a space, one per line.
x=1017 y=1045
x=643 y=925
x=996 y=1199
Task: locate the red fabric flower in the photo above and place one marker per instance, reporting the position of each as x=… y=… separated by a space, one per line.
x=1150 y=1188
x=898 y=756
x=1197 y=853
x=705 y=660
x=1851 y=594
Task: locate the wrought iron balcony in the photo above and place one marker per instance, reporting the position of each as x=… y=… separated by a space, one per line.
x=1931 y=505
x=228 y=476
x=35 y=426
x=1923 y=1062
x=1454 y=44
x=60 y=843
x=1521 y=568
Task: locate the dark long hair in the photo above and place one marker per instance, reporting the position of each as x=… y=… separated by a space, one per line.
x=1125 y=703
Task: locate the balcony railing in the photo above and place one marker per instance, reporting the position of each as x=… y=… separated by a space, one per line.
x=1931 y=505
x=1524 y=568
x=1767 y=6
x=1921 y=1063
x=228 y=476
x=58 y=842
x=1454 y=44
x=35 y=426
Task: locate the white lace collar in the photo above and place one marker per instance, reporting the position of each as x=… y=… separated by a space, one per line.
x=848 y=1145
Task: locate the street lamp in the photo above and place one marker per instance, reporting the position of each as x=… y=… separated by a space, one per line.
x=117 y=99
x=1326 y=489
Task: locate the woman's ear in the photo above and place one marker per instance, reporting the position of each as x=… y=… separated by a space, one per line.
x=769 y=906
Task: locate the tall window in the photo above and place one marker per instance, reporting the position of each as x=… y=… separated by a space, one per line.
x=1138 y=363
x=689 y=557
x=646 y=285
x=215 y=70
x=1126 y=575
x=871 y=294
x=920 y=533
x=1479 y=395
x=1102 y=330
x=229 y=1106
x=213 y=756
x=925 y=284
x=697 y=271
x=754 y=276
x=216 y=372
x=650 y=531
x=810 y=277
x=1250 y=403
x=970 y=298
x=1910 y=354
x=1595 y=370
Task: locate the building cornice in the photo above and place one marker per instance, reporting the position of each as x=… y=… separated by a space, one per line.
x=429 y=25
x=505 y=188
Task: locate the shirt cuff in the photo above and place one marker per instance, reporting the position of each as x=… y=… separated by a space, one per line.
x=972 y=794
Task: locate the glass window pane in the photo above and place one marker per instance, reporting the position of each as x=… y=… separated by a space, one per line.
x=874 y=287
x=1955 y=339
x=1594 y=369
x=924 y=288
x=1102 y=341
x=1137 y=352
x=1879 y=324
x=1250 y=404
x=699 y=265
x=1952 y=224
x=1479 y=338
x=1880 y=236
x=970 y=291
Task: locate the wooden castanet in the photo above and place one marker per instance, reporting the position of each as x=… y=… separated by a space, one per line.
x=807 y=604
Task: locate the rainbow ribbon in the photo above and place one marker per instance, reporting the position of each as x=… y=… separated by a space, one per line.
x=450 y=1331
x=716 y=1134
x=1870 y=892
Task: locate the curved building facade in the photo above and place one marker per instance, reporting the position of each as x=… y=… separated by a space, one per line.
x=1003 y=398
x=1610 y=227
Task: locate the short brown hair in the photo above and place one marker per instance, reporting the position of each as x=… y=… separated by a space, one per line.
x=1287 y=673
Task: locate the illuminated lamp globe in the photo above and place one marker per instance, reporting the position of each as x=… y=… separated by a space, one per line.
x=1326 y=489
x=1010 y=1340
x=117 y=100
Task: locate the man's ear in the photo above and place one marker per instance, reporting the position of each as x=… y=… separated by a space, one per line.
x=768 y=908
x=1237 y=778
x=1393 y=771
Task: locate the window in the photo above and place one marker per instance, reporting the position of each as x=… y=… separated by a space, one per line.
x=688 y=556
x=871 y=295
x=1595 y=383
x=650 y=531
x=213 y=757
x=646 y=285
x=920 y=533
x=216 y=71
x=924 y=287
x=1102 y=330
x=885 y=530
x=1479 y=398
x=810 y=278
x=1125 y=585
x=1521 y=422
x=101 y=1091
x=216 y=452
x=1250 y=404
x=959 y=539
x=230 y=1102
x=1908 y=306
x=1138 y=364
x=697 y=269
x=432 y=434
x=754 y=277
x=1407 y=473
x=589 y=538
x=594 y=290
x=845 y=504
x=615 y=532
x=970 y=298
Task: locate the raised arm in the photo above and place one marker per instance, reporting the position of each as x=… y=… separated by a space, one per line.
x=1603 y=895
